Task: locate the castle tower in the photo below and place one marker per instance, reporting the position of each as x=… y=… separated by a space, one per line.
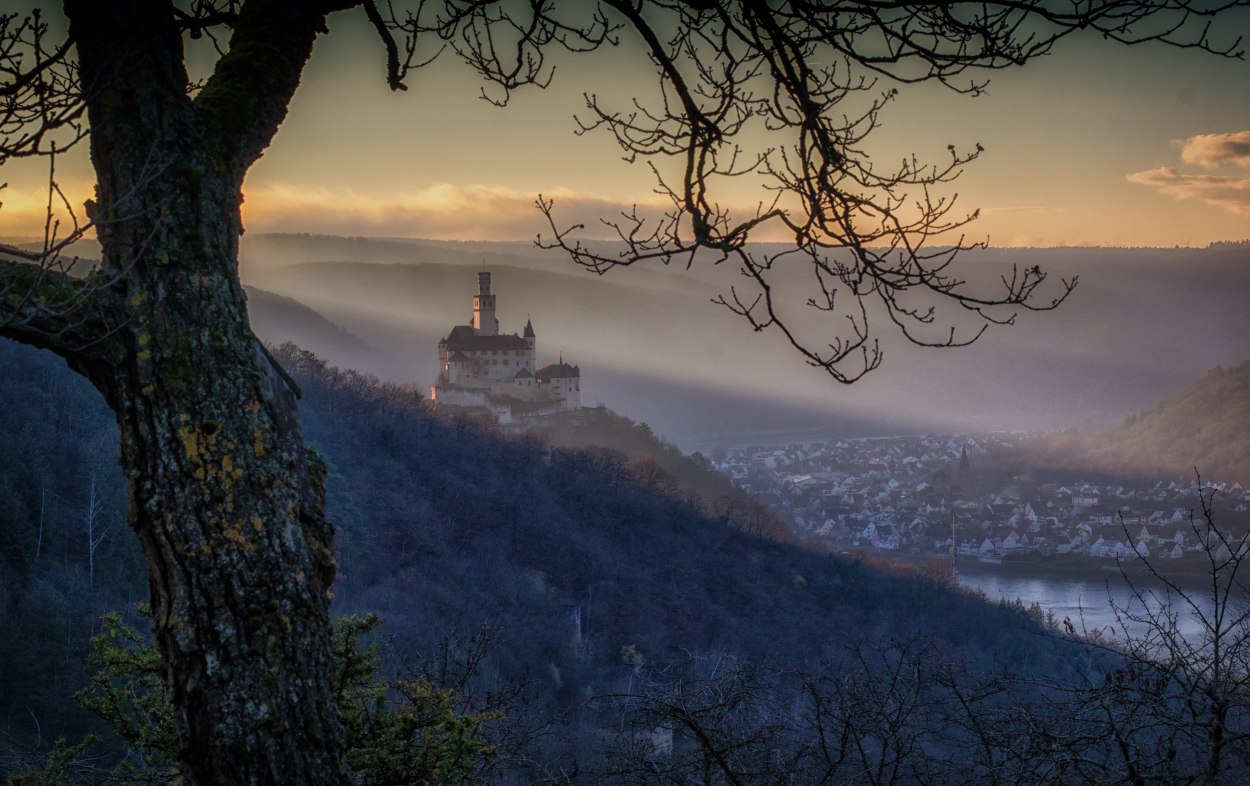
x=530 y=341
x=481 y=368
x=484 y=321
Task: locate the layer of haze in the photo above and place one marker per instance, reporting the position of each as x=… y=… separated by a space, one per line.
x=1141 y=325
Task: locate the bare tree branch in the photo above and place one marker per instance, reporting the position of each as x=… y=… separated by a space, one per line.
x=879 y=244
x=41 y=106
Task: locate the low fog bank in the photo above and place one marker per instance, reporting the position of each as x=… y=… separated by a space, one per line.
x=651 y=345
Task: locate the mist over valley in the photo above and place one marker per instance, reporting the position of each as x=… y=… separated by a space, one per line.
x=1140 y=325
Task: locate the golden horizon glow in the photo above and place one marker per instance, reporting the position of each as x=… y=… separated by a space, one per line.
x=492 y=212
x=1098 y=145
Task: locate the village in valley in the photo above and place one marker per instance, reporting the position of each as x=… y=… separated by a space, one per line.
x=918 y=495
x=967 y=498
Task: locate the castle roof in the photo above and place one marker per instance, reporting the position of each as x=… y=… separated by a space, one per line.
x=463 y=338
x=558 y=371
x=529 y=329
x=458 y=357
x=524 y=374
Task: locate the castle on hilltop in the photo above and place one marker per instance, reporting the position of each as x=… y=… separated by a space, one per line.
x=482 y=369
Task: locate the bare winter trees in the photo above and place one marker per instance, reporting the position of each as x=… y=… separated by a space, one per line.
x=788 y=94
x=787 y=97
x=1181 y=702
x=225 y=500
x=1164 y=699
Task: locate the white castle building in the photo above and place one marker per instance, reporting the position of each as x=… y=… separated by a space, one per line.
x=480 y=368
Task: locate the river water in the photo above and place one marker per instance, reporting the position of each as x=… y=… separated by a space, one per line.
x=1086 y=601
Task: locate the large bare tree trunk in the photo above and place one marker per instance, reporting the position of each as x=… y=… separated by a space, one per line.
x=228 y=507
x=225 y=499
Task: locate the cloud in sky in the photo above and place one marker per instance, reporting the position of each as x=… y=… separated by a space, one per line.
x=445 y=211
x=1230 y=193
x=1210 y=151
x=441 y=211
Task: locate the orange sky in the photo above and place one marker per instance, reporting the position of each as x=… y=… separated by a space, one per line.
x=1097 y=144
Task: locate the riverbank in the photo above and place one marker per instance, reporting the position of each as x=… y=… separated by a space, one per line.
x=1190 y=571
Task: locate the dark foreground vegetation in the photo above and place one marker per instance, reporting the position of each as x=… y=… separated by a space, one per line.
x=561 y=615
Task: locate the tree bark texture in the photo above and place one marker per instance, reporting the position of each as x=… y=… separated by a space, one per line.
x=225 y=499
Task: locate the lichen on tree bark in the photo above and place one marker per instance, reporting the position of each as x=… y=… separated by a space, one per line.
x=225 y=499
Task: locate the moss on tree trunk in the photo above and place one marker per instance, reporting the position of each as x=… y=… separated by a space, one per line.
x=225 y=498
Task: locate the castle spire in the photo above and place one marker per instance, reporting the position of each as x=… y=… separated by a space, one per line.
x=484 y=321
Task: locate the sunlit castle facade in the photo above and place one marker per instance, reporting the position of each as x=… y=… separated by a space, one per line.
x=480 y=368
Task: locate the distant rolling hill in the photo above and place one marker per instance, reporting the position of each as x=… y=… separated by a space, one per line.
x=1206 y=426
x=277 y=319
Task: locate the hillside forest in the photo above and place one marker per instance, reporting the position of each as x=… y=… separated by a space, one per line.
x=574 y=615
x=1207 y=424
